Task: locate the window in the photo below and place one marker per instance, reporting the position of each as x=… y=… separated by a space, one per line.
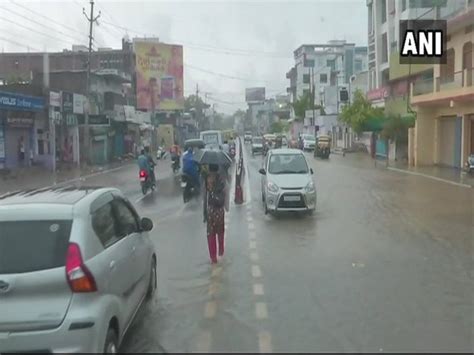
x=305 y=78
x=127 y=222
x=383 y=10
x=305 y=92
x=404 y=5
x=20 y=252
x=331 y=63
x=104 y=225
x=358 y=65
x=384 y=48
x=323 y=78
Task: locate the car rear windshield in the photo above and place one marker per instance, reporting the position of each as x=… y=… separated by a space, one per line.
x=27 y=246
x=257 y=140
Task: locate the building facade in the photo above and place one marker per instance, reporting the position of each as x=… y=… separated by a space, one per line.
x=444 y=103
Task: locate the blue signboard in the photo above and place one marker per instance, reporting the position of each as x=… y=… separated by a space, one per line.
x=10 y=101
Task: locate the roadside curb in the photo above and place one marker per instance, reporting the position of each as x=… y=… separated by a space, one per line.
x=429 y=177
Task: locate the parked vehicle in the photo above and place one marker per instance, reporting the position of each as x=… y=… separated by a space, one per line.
x=257 y=145
x=309 y=141
x=323 y=147
x=287 y=183
x=146 y=181
x=470 y=164
x=85 y=266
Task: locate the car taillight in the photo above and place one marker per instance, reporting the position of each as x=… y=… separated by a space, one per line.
x=78 y=275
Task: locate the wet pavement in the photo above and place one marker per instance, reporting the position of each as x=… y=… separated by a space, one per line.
x=385 y=264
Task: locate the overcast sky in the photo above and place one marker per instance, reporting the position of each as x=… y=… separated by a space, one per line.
x=228 y=45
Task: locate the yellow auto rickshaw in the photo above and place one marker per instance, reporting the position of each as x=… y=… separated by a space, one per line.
x=322 y=148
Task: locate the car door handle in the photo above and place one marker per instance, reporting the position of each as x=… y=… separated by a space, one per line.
x=112 y=265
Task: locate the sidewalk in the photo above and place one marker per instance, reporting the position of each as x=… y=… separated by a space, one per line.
x=37 y=177
x=448 y=175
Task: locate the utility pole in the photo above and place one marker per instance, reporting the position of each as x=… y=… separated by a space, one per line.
x=91 y=20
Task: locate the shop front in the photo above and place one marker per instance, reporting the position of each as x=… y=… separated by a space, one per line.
x=18 y=138
x=99 y=135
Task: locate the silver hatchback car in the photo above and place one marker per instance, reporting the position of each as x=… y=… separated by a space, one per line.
x=287 y=182
x=75 y=266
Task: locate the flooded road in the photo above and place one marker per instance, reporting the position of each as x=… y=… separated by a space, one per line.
x=385 y=264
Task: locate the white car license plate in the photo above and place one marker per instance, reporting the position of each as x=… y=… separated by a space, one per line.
x=142 y=179
x=291 y=198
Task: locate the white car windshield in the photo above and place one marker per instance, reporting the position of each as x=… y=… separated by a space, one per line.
x=287 y=164
x=309 y=138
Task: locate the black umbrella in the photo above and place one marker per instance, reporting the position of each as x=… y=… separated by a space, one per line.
x=210 y=156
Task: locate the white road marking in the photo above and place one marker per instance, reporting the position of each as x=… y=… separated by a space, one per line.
x=256 y=272
x=254 y=256
x=211 y=309
x=429 y=177
x=213 y=288
x=251 y=226
x=203 y=344
x=250 y=219
x=253 y=244
x=252 y=235
x=261 y=310
x=265 y=342
x=258 y=290
x=216 y=271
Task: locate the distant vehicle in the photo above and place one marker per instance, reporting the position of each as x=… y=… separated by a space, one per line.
x=212 y=139
x=309 y=141
x=85 y=266
x=194 y=143
x=470 y=164
x=247 y=137
x=257 y=145
x=287 y=183
x=323 y=147
x=146 y=182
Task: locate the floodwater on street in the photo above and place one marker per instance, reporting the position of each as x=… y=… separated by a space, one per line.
x=385 y=264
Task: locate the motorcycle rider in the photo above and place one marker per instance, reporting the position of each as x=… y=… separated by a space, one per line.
x=151 y=164
x=175 y=152
x=191 y=168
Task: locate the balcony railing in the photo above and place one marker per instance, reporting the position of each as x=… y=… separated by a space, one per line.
x=450 y=82
x=457 y=80
x=424 y=86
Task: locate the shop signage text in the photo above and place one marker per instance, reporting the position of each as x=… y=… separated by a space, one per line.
x=68 y=102
x=20 y=121
x=54 y=99
x=9 y=101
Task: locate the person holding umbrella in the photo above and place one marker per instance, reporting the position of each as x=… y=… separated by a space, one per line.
x=215 y=200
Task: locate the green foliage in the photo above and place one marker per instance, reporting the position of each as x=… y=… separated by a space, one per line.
x=279 y=127
x=396 y=128
x=359 y=112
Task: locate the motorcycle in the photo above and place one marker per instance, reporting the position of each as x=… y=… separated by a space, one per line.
x=189 y=188
x=146 y=182
x=470 y=164
x=175 y=165
x=160 y=153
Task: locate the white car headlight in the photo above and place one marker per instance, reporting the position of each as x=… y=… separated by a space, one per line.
x=310 y=187
x=272 y=187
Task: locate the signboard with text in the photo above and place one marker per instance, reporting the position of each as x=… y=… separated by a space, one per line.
x=9 y=101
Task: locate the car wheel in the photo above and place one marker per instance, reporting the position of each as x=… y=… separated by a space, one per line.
x=152 y=284
x=265 y=208
x=111 y=342
x=310 y=212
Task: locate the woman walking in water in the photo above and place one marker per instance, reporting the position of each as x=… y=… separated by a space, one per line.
x=214 y=202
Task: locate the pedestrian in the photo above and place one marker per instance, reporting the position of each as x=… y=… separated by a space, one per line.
x=21 y=151
x=214 y=204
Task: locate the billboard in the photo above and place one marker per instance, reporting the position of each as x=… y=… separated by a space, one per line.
x=159 y=69
x=254 y=94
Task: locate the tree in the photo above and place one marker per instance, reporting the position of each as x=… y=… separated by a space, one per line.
x=396 y=128
x=359 y=112
x=279 y=127
x=196 y=106
x=304 y=103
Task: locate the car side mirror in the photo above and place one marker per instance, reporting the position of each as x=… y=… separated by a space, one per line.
x=311 y=169
x=262 y=171
x=146 y=224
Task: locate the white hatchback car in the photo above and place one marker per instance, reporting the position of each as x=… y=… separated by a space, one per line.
x=287 y=182
x=75 y=266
